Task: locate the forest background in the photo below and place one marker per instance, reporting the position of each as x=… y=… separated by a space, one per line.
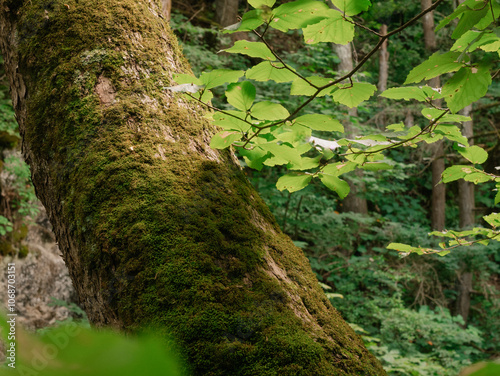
x=419 y=314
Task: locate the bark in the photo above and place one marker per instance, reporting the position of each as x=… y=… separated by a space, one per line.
x=438 y=215
x=438 y=189
x=463 y=300
x=155 y=227
x=466 y=202
x=383 y=74
x=166 y=8
x=354 y=202
x=428 y=23
x=226 y=12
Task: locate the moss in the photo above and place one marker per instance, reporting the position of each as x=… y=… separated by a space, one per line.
x=19 y=233
x=23 y=251
x=6 y=248
x=174 y=233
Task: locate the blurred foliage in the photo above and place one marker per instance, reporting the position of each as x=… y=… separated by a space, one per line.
x=77 y=350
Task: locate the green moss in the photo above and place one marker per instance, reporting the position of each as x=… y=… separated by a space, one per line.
x=23 y=251
x=6 y=248
x=176 y=234
x=20 y=233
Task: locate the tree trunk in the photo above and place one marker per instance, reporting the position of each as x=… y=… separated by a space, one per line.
x=226 y=12
x=383 y=62
x=354 y=202
x=438 y=189
x=466 y=202
x=464 y=289
x=156 y=228
x=166 y=8
x=428 y=23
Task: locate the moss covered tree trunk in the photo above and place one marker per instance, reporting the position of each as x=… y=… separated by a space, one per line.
x=155 y=227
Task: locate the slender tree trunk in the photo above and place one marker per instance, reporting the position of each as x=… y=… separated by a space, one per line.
x=466 y=205
x=438 y=189
x=226 y=12
x=354 y=202
x=464 y=289
x=383 y=74
x=428 y=23
x=466 y=202
x=166 y=8
x=156 y=228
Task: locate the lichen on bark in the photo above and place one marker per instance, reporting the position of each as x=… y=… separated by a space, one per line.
x=156 y=228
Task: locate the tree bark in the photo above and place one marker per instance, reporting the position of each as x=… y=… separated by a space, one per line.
x=466 y=202
x=438 y=214
x=166 y=8
x=156 y=228
x=383 y=62
x=428 y=23
x=226 y=12
x=354 y=202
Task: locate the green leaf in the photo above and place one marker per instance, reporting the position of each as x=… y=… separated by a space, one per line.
x=224 y=139
x=473 y=154
x=293 y=183
x=250 y=21
x=400 y=247
x=352 y=96
x=456 y=172
x=477 y=177
x=229 y=122
x=252 y=49
x=260 y=3
x=376 y=166
x=333 y=29
x=491 y=15
x=468 y=20
x=301 y=87
x=241 y=95
x=493 y=219
x=452 y=133
x=219 y=77
x=407 y=93
x=474 y=39
x=464 y=7
x=295 y=134
x=319 y=122
x=255 y=157
x=283 y=153
x=298 y=14
x=266 y=71
x=434 y=66
x=492 y=47
x=337 y=185
x=306 y=163
x=339 y=168
x=352 y=7
x=269 y=111
x=182 y=78
x=466 y=86
x=421 y=94
x=434 y=113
